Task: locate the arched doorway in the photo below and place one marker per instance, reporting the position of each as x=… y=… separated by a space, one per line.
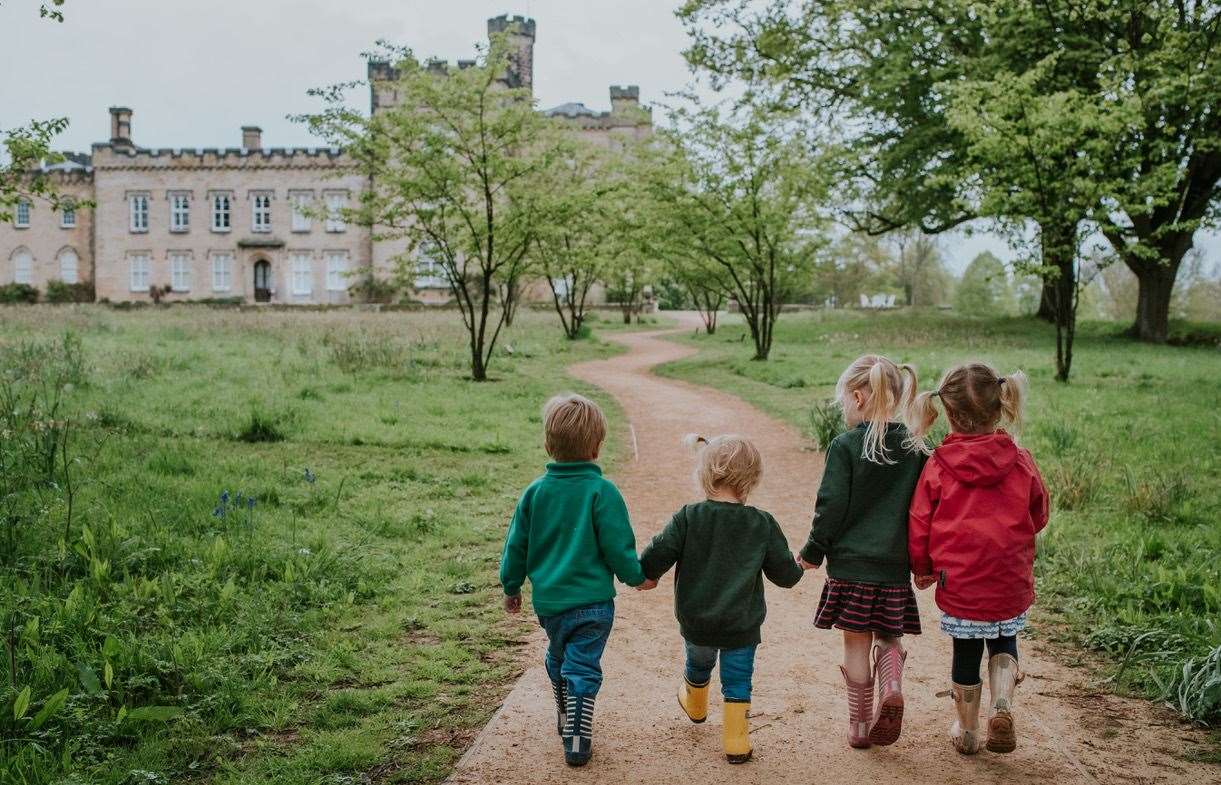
x=262 y=281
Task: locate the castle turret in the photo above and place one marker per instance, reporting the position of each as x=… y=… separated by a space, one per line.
x=519 y=32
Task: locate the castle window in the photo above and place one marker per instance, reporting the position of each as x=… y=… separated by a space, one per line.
x=23 y=267
x=21 y=217
x=302 y=274
x=222 y=272
x=69 y=264
x=180 y=272
x=180 y=212
x=67 y=217
x=138 y=209
x=337 y=271
x=301 y=202
x=336 y=201
x=139 y=272
x=222 y=210
x=261 y=220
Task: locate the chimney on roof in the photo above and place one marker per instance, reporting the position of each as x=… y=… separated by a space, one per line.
x=624 y=99
x=252 y=137
x=120 y=125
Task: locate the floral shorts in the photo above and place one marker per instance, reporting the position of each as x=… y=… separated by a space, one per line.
x=966 y=628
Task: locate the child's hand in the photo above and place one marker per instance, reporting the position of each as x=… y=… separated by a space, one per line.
x=924 y=581
x=649 y=583
x=805 y=565
x=513 y=603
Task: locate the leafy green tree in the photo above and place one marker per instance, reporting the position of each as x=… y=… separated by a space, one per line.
x=919 y=269
x=742 y=191
x=984 y=288
x=453 y=167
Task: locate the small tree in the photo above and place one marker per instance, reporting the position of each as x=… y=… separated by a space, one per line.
x=453 y=166
x=984 y=288
x=742 y=191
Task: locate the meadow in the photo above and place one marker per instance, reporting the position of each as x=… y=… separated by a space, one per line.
x=255 y=546
x=1129 y=568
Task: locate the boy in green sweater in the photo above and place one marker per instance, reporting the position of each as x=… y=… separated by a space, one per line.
x=723 y=548
x=571 y=537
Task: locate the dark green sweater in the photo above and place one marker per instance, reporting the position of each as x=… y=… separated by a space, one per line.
x=722 y=551
x=860 y=519
x=570 y=536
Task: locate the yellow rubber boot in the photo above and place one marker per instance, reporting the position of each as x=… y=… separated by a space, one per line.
x=693 y=698
x=736 y=733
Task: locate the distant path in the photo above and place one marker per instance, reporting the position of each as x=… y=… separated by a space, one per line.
x=1066 y=734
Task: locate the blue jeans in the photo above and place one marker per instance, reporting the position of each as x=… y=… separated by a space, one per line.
x=737 y=668
x=576 y=639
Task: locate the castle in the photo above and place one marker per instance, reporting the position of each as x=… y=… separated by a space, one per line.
x=240 y=224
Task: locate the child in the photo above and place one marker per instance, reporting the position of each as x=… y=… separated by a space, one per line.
x=860 y=527
x=571 y=537
x=977 y=509
x=721 y=546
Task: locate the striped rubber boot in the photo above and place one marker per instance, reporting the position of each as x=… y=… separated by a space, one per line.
x=860 y=710
x=888 y=675
x=560 y=689
x=578 y=733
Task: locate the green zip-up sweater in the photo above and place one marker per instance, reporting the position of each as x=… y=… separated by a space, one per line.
x=570 y=536
x=860 y=518
x=722 y=550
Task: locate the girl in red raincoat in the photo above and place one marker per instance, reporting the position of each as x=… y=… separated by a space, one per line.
x=978 y=505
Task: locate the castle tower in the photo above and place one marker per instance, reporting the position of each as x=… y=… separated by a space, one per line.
x=519 y=31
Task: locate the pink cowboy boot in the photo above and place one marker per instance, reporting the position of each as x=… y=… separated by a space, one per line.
x=888 y=674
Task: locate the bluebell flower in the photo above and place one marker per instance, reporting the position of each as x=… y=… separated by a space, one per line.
x=219 y=512
x=250 y=503
x=309 y=476
x=224 y=497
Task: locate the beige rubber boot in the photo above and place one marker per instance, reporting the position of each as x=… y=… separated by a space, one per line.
x=965 y=730
x=736 y=732
x=1003 y=678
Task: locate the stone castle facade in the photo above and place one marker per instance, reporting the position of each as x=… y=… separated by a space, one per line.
x=241 y=224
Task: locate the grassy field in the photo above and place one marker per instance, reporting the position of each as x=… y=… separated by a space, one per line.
x=1130 y=562
x=270 y=556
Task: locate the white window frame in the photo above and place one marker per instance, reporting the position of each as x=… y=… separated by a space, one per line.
x=301 y=273
x=430 y=274
x=221 y=203
x=181 y=271
x=64 y=253
x=337 y=271
x=301 y=220
x=260 y=212
x=222 y=272
x=139 y=271
x=137 y=212
x=336 y=202
x=67 y=216
x=180 y=212
x=23 y=273
x=21 y=214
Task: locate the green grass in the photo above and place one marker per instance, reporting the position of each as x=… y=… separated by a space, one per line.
x=345 y=626
x=1129 y=450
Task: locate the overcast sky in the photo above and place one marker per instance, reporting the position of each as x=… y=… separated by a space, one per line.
x=195 y=72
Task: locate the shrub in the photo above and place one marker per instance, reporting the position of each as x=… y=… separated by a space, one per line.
x=260 y=427
x=60 y=292
x=826 y=422
x=18 y=293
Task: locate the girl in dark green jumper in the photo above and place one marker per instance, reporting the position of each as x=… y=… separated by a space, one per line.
x=860 y=527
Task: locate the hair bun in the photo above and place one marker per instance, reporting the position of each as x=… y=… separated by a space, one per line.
x=692 y=441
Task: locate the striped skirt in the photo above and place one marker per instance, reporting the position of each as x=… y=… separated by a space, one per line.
x=868 y=607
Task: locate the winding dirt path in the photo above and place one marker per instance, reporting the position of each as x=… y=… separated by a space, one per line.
x=1067 y=734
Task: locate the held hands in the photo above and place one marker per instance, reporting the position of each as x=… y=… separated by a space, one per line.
x=805 y=565
x=924 y=581
x=513 y=603
x=649 y=583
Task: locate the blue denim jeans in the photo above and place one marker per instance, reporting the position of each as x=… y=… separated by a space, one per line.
x=737 y=669
x=576 y=639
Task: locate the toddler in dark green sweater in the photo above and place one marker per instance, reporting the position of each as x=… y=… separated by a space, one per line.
x=570 y=535
x=722 y=549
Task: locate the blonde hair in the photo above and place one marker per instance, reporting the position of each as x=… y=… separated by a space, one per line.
x=573 y=427
x=890 y=390
x=727 y=462
x=976 y=399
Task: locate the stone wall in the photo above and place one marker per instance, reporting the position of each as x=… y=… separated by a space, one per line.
x=46 y=241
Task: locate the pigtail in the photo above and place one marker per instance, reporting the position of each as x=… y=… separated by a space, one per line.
x=878 y=412
x=1013 y=400
x=693 y=441
x=914 y=442
x=920 y=415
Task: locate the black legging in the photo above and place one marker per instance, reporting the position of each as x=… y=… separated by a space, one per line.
x=967 y=651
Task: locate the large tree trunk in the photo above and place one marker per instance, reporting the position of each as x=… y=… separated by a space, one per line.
x=1047 y=301
x=1153 y=302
